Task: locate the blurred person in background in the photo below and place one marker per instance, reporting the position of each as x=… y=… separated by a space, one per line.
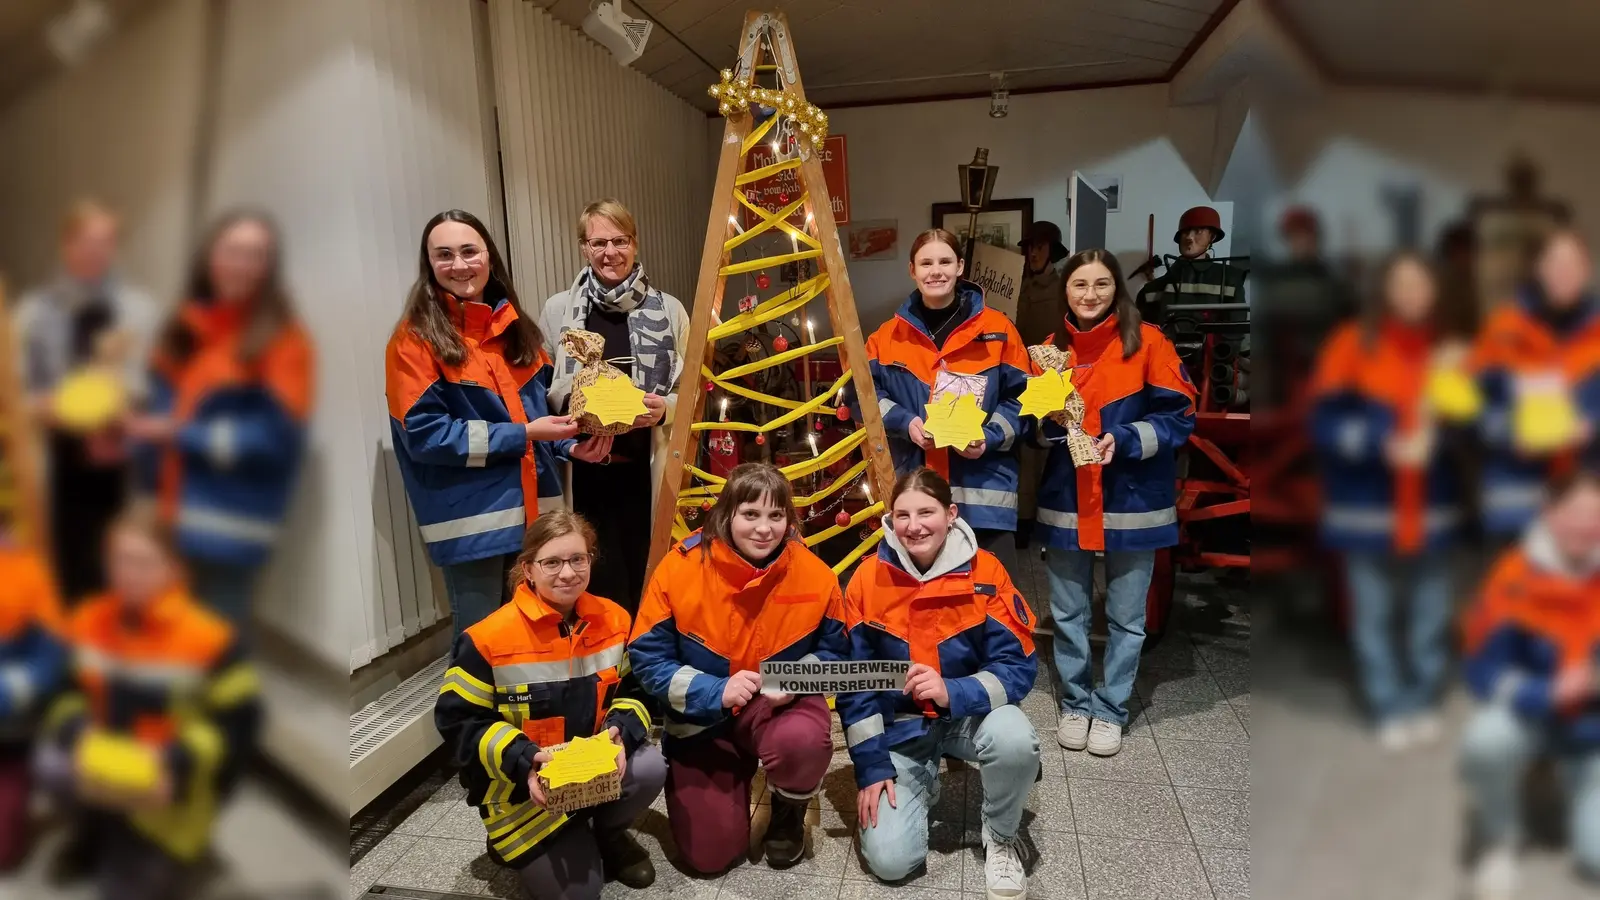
x=466 y=377
x=1139 y=404
x=160 y=725
x=1533 y=645
x=945 y=329
x=1546 y=339
x=232 y=380
x=1390 y=497
x=1041 y=305
x=1300 y=301
x=562 y=649
x=33 y=659
x=644 y=329
x=83 y=315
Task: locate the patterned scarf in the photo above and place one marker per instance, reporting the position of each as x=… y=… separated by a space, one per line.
x=656 y=363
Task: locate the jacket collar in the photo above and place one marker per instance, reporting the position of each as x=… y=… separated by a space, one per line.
x=480 y=320
x=966 y=292
x=955 y=557
x=214 y=321
x=160 y=611
x=1531 y=301
x=1540 y=549
x=1087 y=346
x=739 y=573
x=535 y=608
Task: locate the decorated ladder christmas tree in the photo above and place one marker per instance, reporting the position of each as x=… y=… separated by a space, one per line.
x=773 y=135
x=19 y=483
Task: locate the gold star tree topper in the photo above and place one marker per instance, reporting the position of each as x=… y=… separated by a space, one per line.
x=1046 y=393
x=954 y=421
x=614 y=400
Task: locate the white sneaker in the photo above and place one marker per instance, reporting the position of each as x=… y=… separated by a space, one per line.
x=1395 y=735
x=1495 y=877
x=1426 y=728
x=1105 y=738
x=1073 y=732
x=1002 y=868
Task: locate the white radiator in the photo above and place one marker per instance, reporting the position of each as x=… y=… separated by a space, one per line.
x=392 y=734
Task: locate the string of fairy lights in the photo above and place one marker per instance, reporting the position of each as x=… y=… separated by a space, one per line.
x=781 y=121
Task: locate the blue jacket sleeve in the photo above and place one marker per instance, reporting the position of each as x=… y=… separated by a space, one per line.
x=1005 y=427
x=253 y=435
x=32 y=671
x=1167 y=424
x=1495 y=674
x=433 y=436
x=896 y=418
x=1494 y=422
x=1009 y=668
x=864 y=714
x=1350 y=428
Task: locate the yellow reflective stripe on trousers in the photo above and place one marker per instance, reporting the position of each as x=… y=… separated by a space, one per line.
x=519 y=841
x=631 y=705
x=496 y=738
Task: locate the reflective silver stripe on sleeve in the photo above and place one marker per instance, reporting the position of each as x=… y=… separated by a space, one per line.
x=1111 y=521
x=467 y=526
x=588 y=665
x=885 y=405
x=19 y=685
x=992 y=687
x=809 y=657
x=1382 y=521
x=983 y=497
x=531 y=673
x=229 y=525
x=167 y=675
x=1011 y=436
x=224 y=443
x=1196 y=287
x=1148 y=443
x=1506 y=687
x=864 y=730
x=477 y=443
x=678 y=690
x=1352 y=438
x=1513 y=497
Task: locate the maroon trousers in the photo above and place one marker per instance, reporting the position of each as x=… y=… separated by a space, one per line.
x=15 y=833
x=708 y=779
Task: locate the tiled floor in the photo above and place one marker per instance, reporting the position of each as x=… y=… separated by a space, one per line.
x=1167 y=818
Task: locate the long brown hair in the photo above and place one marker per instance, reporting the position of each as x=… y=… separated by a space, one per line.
x=1377 y=306
x=1122 y=305
x=549 y=526
x=270 y=310
x=747 y=483
x=935 y=236
x=922 y=480
x=428 y=316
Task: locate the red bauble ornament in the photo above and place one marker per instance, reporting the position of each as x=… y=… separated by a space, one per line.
x=783 y=198
x=761 y=439
x=819 y=424
x=705 y=505
x=763 y=282
x=780 y=343
x=710 y=387
x=842 y=519
x=843 y=413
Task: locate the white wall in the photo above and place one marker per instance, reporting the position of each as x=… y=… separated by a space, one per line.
x=903 y=159
x=120 y=127
x=353 y=124
x=574 y=127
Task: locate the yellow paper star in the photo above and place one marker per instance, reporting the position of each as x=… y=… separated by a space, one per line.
x=1046 y=394
x=954 y=421
x=89 y=400
x=1453 y=395
x=614 y=400
x=581 y=760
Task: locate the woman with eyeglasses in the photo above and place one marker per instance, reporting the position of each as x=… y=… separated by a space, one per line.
x=1139 y=407
x=644 y=331
x=466 y=376
x=548 y=667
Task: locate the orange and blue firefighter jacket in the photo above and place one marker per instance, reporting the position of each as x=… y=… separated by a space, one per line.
x=524 y=679
x=33 y=654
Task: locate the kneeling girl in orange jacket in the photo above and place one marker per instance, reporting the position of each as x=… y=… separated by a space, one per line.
x=545 y=668
x=741 y=591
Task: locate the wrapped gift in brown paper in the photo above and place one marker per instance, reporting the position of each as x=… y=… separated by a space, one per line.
x=581 y=773
x=1079 y=443
x=589 y=349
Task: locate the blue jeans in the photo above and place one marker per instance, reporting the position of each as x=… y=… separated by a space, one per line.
x=1006 y=749
x=1379 y=583
x=228 y=590
x=1071 y=594
x=1497 y=748
x=476 y=588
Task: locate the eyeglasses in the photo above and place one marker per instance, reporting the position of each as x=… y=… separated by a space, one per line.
x=469 y=255
x=1099 y=287
x=599 y=245
x=552 y=565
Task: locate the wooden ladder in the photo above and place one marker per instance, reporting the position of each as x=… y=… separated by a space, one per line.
x=766 y=50
x=19 y=465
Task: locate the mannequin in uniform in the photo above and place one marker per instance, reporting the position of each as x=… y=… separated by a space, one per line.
x=1194 y=276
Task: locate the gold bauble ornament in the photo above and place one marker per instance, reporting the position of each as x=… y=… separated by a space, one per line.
x=725 y=109
x=727 y=74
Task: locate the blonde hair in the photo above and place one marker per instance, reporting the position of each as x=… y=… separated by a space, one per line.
x=612 y=211
x=82 y=212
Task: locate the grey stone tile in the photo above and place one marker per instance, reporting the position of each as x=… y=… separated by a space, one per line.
x=1056 y=871
x=760 y=883
x=1235 y=687
x=1229 y=871
x=444 y=864
x=423 y=817
x=1203 y=764
x=1127 y=810
x=830 y=846
x=1138 y=760
x=1217 y=818
x=1225 y=656
x=1242 y=712
x=1049 y=808
x=1051 y=764
x=873 y=890
x=1042 y=710
x=458 y=821
x=377 y=862
x=1197 y=722
x=1118 y=869
x=1139 y=717
x=953 y=785
x=1157 y=685
x=1173 y=651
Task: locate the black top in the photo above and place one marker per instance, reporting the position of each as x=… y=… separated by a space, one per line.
x=939 y=322
x=630 y=446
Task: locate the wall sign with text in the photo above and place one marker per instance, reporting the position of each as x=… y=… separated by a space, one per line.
x=765 y=193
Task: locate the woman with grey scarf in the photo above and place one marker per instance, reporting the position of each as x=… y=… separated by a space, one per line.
x=644 y=331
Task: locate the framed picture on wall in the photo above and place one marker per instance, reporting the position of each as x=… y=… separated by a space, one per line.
x=1001 y=224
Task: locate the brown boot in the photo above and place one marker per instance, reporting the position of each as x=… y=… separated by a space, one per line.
x=786 y=832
